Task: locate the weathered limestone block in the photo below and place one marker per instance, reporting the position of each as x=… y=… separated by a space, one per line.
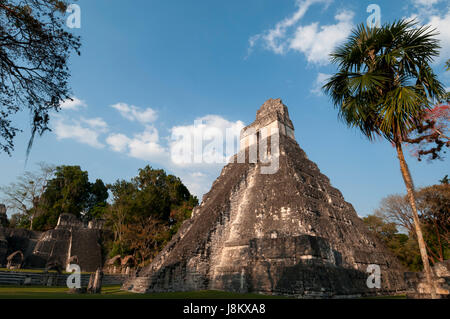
x=289 y=232
x=95 y=282
x=419 y=287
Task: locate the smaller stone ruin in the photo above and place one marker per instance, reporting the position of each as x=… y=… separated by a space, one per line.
x=69 y=221
x=95 y=282
x=71 y=242
x=15 y=260
x=98 y=224
x=119 y=265
x=54 y=265
x=419 y=287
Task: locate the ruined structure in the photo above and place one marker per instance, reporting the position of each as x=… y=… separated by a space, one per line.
x=15 y=260
x=285 y=231
x=70 y=241
x=418 y=287
x=119 y=265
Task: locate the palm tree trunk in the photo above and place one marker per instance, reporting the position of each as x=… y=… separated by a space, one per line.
x=412 y=200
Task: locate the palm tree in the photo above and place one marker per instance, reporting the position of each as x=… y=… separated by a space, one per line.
x=384 y=86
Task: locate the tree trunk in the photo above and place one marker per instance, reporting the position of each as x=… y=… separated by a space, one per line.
x=412 y=200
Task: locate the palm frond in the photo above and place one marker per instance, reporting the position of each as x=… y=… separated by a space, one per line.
x=384 y=81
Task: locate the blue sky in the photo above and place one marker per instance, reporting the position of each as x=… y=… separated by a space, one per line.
x=151 y=68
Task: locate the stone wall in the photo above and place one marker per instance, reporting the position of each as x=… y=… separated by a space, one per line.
x=51 y=279
x=418 y=287
x=70 y=238
x=85 y=245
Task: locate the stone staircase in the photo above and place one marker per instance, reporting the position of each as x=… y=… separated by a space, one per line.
x=137 y=284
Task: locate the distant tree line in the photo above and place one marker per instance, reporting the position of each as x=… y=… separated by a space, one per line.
x=393 y=223
x=142 y=215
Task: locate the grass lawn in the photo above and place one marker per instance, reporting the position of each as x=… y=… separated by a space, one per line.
x=36 y=271
x=114 y=292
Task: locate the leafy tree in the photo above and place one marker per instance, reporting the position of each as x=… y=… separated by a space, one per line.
x=384 y=86
x=403 y=246
x=158 y=193
x=19 y=220
x=96 y=204
x=384 y=231
x=120 y=213
x=70 y=192
x=146 y=212
x=433 y=204
x=146 y=237
x=34 y=53
x=22 y=197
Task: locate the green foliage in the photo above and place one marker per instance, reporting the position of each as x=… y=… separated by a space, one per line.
x=71 y=192
x=147 y=211
x=403 y=246
x=385 y=84
x=19 y=220
x=433 y=204
x=35 y=48
x=96 y=205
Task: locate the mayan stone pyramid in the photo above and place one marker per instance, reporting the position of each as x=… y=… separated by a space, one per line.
x=287 y=233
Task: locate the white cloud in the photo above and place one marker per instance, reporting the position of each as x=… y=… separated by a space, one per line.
x=317 y=42
x=319 y=82
x=274 y=38
x=218 y=139
x=437 y=18
x=118 y=142
x=144 y=146
x=148 y=146
x=134 y=113
x=425 y=3
x=96 y=123
x=314 y=41
x=198 y=177
x=75 y=131
x=442 y=24
x=198 y=174
x=73 y=104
